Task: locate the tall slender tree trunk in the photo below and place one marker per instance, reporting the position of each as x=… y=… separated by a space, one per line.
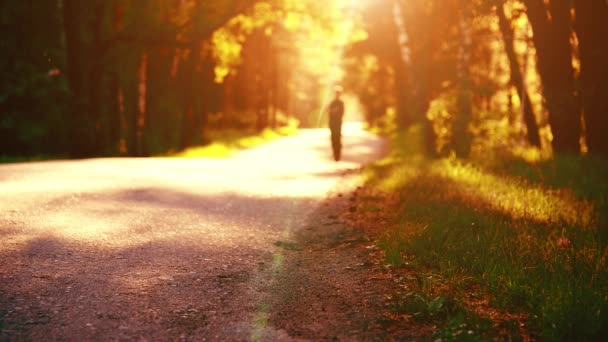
x=76 y=71
x=552 y=28
x=273 y=88
x=517 y=79
x=404 y=92
x=142 y=105
x=263 y=79
x=461 y=136
x=402 y=95
x=130 y=98
x=190 y=99
x=116 y=113
x=96 y=79
x=206 y=85
x=592 y=32
x=74 y=45
x=85 y=74
x=412 y=87
x=161 y=129
x=117 y=106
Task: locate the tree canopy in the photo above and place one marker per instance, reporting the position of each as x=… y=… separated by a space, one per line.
x=133 y=77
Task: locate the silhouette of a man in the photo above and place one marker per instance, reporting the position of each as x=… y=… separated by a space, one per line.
x=336 y=114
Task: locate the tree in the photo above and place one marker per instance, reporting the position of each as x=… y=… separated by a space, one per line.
x=592 y=31
x=516 y=77
x=33 y=88
x=147 y=29
x=424 y=28
x=552 y=26
x=461 y=135
x=85 y=72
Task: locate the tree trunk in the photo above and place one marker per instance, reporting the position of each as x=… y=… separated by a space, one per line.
x=461 y=136
x=401 y=56
x=552 y=28
x=273 y=88
x=162 y=130
x=130 y=98
x=402 y=95
x=190 y=100
x=192 y=103
x=99 y=134
x=76 y=70
x=116 y=116
x=85 y=74
x=142 y=106
x=592 y=31
x=206 y=91
x=517 y=79
x=412 y=79
x=116 y=113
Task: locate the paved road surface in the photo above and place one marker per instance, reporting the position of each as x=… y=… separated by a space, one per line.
x=158 y=249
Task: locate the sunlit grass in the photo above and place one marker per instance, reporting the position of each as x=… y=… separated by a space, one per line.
x=533 y=235
x=227 y=143
x=513 y=196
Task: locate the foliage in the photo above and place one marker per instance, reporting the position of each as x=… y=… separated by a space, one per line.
x=143 y=77
x=33 y=91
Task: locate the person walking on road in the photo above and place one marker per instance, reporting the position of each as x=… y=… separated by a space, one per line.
x=336 y=114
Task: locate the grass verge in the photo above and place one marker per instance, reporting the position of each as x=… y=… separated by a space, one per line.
x=12 y=159
x=531 y=237
x=226 y=143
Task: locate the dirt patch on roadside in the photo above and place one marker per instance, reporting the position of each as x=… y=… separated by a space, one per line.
x=333 y=284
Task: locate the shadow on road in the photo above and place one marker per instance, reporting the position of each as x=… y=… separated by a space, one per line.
x=193 y=277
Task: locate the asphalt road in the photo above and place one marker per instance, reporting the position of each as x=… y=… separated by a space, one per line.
x=158 y=249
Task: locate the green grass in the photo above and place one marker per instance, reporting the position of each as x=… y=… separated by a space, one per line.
x=533 y=236
x=226 y=143
x=13 y=159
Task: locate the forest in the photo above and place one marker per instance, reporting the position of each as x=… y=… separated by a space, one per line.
x=138 y=78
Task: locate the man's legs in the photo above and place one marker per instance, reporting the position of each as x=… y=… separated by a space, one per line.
x=336 y=143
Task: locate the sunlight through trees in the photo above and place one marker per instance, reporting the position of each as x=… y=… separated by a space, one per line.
x=130 y=77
